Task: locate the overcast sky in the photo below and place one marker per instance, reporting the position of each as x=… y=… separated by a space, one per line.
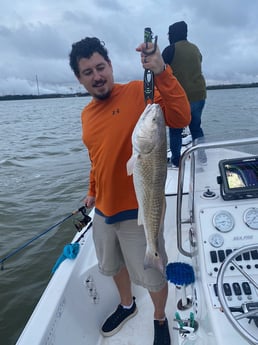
x=36 y=38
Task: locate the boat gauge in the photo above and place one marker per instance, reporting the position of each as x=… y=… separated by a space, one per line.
x=216 y=240
x=223 y=221
x=251 y=218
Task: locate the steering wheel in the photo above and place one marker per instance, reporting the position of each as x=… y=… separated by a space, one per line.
x=234 y=320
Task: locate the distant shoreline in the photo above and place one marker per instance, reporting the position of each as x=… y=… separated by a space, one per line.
x=43 y=96
x=231 y=86
x=86 y=94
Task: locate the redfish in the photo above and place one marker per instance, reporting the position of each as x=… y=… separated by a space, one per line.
x=148 y=164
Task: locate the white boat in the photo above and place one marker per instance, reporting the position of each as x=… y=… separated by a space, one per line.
x=211 y=230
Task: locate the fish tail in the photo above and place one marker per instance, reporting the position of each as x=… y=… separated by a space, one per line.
x=153 y=260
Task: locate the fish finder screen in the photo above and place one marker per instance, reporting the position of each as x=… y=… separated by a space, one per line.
x=239 y=176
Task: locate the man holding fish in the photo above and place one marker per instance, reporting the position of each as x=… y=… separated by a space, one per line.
x=129 y=210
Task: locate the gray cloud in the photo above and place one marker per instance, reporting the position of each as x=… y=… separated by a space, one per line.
x=36 y=38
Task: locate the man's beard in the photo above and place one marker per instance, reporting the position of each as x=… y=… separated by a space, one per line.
x=103 y=96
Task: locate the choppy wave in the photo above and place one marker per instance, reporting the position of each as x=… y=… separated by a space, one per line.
x=11 y=162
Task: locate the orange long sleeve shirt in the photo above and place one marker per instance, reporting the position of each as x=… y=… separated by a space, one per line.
x=107 y=127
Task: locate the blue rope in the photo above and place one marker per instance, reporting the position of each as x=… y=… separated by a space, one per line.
x=32 y=240
x=71 y=250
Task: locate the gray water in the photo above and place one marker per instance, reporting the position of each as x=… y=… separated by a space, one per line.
x=44 y=176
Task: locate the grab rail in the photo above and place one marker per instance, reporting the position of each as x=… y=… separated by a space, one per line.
x=189 y=152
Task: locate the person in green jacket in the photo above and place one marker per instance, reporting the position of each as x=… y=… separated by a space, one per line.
x=185 y=59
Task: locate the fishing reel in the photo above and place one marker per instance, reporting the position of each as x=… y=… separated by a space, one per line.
x=81 y=223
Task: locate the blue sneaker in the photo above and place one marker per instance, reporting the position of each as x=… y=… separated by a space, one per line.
x=161 y=333
x=116 y=320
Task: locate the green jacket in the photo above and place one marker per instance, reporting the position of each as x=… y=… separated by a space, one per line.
x=186 y=65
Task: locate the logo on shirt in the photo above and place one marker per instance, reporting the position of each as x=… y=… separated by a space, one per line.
x=115 y=111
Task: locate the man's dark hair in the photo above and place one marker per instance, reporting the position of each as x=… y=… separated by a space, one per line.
x=85 y=49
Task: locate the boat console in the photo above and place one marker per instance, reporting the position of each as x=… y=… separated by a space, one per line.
x=221 y=243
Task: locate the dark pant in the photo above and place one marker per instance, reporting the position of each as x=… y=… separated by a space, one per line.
x=175 y=134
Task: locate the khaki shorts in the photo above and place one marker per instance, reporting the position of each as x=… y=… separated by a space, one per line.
x=124 y=243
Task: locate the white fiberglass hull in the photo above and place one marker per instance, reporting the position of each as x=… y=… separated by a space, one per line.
x=78 y=298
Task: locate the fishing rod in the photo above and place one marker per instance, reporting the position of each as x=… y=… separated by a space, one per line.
x=79 y=225
x=148 y=78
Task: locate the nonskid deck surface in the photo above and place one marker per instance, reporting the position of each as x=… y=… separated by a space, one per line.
x=140 y=329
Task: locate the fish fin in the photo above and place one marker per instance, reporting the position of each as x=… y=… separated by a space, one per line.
x=130 y=164
x=140 y=222
x=153 y=260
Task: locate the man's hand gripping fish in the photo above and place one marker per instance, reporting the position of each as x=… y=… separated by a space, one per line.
x=148 y=165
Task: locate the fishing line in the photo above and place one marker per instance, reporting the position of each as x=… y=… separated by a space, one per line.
x=14 y=252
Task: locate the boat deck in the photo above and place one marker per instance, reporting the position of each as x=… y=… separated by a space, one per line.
x=79 y=299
